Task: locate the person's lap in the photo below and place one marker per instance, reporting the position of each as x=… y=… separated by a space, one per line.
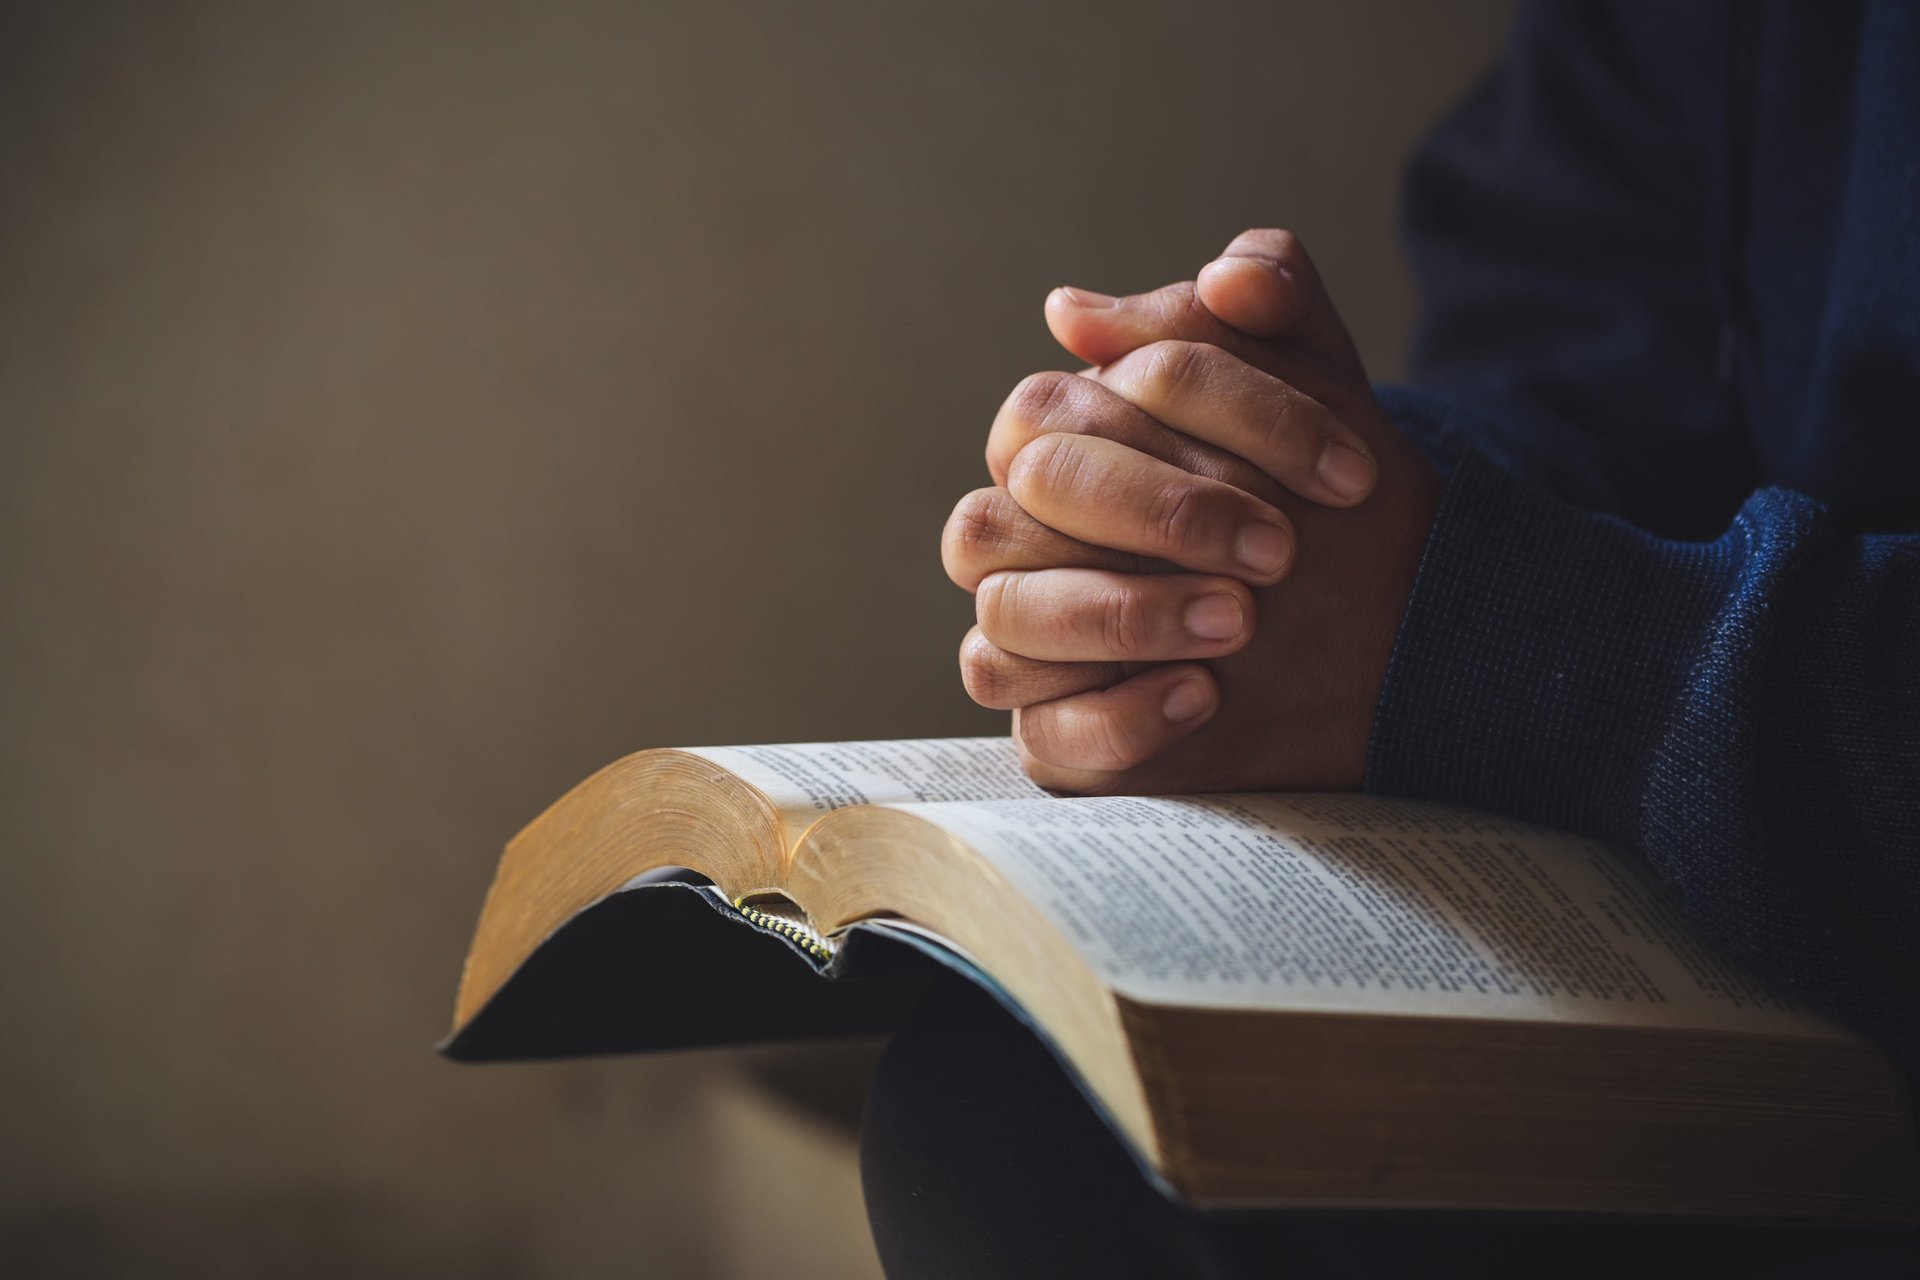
x=981 y=1159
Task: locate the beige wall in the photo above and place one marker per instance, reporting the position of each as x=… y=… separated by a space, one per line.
x=405 y=408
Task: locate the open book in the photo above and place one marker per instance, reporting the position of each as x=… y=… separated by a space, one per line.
x=1314 y=1000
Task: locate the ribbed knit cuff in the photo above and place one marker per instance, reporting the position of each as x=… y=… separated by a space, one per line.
x=1542 y=650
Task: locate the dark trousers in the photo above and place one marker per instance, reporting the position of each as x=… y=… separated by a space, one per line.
x=980 y=1159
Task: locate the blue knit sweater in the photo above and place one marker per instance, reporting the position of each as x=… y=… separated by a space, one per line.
x=1670 y=356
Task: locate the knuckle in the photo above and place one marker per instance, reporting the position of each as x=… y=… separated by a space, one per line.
x=1032 y=736
x=1126 y=622
x=1039 y=399
x=1036 y=731
x=1170 y=365
x=1192 y=319
x=1117 y=746
x=1108 y=743
x=1039 y=404
x=1046 y=466
x=1049 y=737
x=1173 y=518
x=1283 y=433
x=1076 y=746
x=974 y=536
x=991 y=603
x=981 y=670
x=1094 y=737
x=1287 y=430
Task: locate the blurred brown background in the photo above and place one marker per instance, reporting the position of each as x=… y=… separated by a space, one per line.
x=406 y=408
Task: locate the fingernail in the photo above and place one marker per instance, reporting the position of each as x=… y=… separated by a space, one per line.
x=1263 y=548
x=1188 y=700
x=1215 y=617
x=1345 y=470
x=1086 y=297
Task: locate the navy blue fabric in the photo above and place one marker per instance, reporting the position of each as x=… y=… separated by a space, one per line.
x=1670 y=356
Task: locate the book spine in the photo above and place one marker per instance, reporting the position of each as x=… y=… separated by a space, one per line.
x=800 y=935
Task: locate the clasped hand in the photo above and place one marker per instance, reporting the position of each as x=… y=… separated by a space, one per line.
x=1191 y=565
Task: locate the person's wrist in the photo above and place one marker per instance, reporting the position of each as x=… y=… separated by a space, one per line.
x=1426 y=418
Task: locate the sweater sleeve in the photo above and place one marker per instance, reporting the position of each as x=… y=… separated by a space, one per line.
x=1745 y=711
x=1615 y=630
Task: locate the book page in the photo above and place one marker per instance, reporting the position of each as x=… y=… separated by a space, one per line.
x=1357 y=903
x=806 y=779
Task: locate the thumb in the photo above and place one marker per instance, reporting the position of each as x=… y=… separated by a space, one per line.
x=1100 y=329
x=1266 y=286
x=1261 y=301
